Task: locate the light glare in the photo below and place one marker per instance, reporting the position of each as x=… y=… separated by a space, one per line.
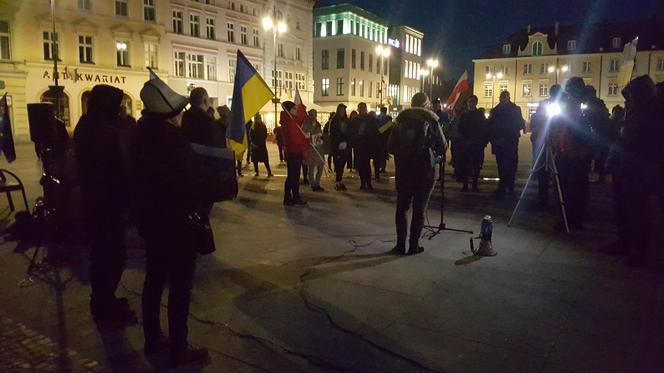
x=553 y=109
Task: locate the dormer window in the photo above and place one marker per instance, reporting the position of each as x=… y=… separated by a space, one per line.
x=507 y=49
x=615 y=43
x=571 y=45
x=538 y=47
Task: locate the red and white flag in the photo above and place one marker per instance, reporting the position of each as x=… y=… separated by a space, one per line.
x=460 y=92
x=301 y=108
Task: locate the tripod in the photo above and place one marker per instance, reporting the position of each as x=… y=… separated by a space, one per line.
x=443 y=227
x=549 y=164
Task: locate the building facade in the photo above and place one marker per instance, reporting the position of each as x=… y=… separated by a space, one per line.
x=189 y=43
x=347 y=68
x=530 y=61
x=405 y=78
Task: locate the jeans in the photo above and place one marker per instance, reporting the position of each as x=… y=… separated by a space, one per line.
x=292 y=185
x=169 y=258
x=415 y=190
x=314 y=179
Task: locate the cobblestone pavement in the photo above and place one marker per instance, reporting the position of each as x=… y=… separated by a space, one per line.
x=23 y=349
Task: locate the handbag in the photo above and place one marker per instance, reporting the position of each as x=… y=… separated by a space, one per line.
x=201 y=233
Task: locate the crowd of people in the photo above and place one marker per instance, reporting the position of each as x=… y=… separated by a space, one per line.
x=573 y=125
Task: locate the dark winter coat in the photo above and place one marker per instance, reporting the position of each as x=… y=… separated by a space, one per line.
x=505 y=125
x=473 y=129
x=258 y=136
x=340 y=134
x=364 y=135
x=198 y=127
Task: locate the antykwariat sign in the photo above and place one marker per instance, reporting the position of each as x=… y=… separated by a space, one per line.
x=76 y=76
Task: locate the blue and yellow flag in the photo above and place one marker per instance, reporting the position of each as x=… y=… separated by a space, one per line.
x=250 y=93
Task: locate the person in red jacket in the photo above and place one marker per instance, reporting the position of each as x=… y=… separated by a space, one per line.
x=296 y=146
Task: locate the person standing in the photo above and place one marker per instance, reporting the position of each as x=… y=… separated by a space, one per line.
x=472 y=128
x=538 y=137
x=416 y=141
x=170 y=190
x=223 y=122
x=365 y=133
x=381 y=155
x=351 y=154
x=326 y=138
x=597 y=115
x=506 y=123
x=278 y=137
x=197 y=125
x=103 y=180
x=315 y=160
x=340 y=144
x=258 y=136
x=295 y=149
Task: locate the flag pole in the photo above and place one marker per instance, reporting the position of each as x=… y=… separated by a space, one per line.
x=310 y=144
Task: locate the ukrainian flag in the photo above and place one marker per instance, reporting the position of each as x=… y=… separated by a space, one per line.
x=250 y=93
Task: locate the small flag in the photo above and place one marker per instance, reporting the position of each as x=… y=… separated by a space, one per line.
x=7 y=144
x=250 y=93
x=460 y=92
x=153 y=75
x=299 y=105
x=626 y=72
x=385 y=127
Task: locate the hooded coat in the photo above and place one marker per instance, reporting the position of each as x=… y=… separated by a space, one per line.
x=294 y=140
x=102 y=171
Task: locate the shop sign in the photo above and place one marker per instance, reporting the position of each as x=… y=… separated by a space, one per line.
x=76 y=76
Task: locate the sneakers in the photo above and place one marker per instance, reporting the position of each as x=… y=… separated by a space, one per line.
x=188 y=355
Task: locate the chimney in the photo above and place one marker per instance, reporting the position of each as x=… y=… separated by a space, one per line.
x=555 y=32
x=528 y=30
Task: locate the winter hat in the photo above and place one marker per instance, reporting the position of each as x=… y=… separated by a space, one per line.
x=287 y=105
x=104 y=101
x=158 y=98
x=420 y=99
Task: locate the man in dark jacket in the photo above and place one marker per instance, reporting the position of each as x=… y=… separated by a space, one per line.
x=473 y=131
x=505 y=124
x=597 y=116
x=197 y=125
x=381 y=155
x=365 y=135
x=416 y=142
x=103 y=177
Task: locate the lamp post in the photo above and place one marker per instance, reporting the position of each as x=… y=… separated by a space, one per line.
x=493 y=77
x=557 y=69
x=432 y=63
x=270 y=23
x=423 y=74
x=383 y=53
x=56 y=90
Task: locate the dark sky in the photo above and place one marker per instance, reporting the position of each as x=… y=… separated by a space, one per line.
x=459 y=30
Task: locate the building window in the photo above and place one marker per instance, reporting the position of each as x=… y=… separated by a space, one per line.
x=586 y=67
x=122 y=53
x=85 y=49
x=5 y=50
x=614 y=66
x=527 y=69
x=211 y=68
x=209 y=29
x=121 y=8
x=300 y=81
x=340 y=27
x=195 y=66
x=178 y=63
x=84 y=4
x=362 y=60
x=340 y=86
x=325 y=59
x=502 y=87
x=297 y=24
x=544 y=68
x=243 y=35
x=507 y=49
x=325 y=87
x=361 y=88
x=280 y=51
x=177 y=22
x=194 y=25
x=352 y=59
x=50 y=45
x=231 y=32
x=328 y=28
x=149 y=11
x=660 y=64
x=257 y=42
x=151 y=55
x=231 y=70
x=370 y=62
x=341 y=56
x=527 y=89
x=298 y=53
x=352 y=87
x=318 y=30
x=571 y=45
x=544 y=89
x=613 y=88
x=538 y=48
x=241 y=8
x=615 y=43
x=370 y=88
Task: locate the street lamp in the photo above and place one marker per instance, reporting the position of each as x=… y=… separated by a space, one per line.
x=383 y=53
x=423 y=74
x=558 y=69
x=432 y=63
x=493 y=78
x=277 y=28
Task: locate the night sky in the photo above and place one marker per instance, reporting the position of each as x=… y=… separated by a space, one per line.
x=459 y=30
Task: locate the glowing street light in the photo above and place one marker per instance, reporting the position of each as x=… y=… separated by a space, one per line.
x=423 y=73
x=493 y=78
x=557 y=70
x=432 y=63
x=383 y=52
x=277 y=28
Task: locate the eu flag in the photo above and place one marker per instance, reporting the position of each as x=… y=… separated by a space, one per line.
x=250 y=93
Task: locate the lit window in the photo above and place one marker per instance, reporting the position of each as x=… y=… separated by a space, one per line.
x=325 y=87
x=195 y=66
x=538 y=48
x=121 y=8
x=178 y=63
x=194 y=25
x=544 y=89
x=571 y=45
x=151 y=55
x=488 y=89
x=148 y=10
x=85 y=49
x=613 y=88
x=122 y=53
x=177 y=22
x=231 y=32
x=502 y=87
x=352 y=87
x=340 y=86
x=361 y=88
x=4 y=41
x=527 y=89
x=50 y=45
x=209 y=29
x=587 y=67
x=211 y=68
